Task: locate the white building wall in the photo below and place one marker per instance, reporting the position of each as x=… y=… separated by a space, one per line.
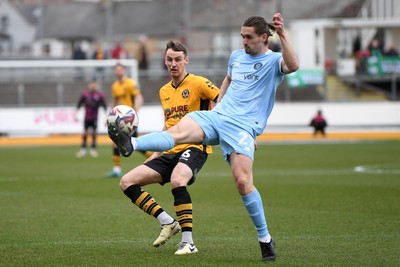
x=286 y=117
x=305 y=44
x=21 y=32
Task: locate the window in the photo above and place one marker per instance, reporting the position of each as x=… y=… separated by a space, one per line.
x=4 y=23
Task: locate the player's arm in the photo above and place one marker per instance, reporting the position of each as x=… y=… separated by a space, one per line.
x=80 y=102
x=138 y=101
x=103 y=102
x=289 y=62
x=78 y=106
x=213 y=103
x=114 y=102
x=115 y=96
x=209 y=92
x=224 y=86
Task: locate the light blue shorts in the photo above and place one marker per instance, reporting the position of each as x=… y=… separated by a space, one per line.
x=222 y=130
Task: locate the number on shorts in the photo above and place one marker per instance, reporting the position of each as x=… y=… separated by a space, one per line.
x=243 y=141
x=186 y=154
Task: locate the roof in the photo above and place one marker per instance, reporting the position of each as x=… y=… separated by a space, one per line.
x=166 y=17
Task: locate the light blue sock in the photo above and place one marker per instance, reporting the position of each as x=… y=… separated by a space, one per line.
x=158 y=141
x=254 y=207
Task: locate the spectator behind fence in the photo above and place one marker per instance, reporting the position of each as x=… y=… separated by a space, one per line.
x=392 y=51
x=78 y=53
x=375 y=48
x=142 y=53
x=99 y=54
x=119 y=52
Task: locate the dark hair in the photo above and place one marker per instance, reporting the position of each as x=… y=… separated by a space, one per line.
x=176 y=46
x=119 y=64
x=260 y=26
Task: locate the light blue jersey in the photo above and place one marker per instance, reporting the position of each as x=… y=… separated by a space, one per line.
x=243 y=111
x=251 y=95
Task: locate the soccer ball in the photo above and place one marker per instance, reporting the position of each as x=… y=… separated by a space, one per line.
x=125 y=118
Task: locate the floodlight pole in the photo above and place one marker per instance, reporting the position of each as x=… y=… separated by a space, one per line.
x=187 y=14
x=109 y=16
x=39 y=13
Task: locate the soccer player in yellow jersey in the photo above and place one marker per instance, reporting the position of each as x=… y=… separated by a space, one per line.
x=124 y=91
x=181 y=164
x=246 y=99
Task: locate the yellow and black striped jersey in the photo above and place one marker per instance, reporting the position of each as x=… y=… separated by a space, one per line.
x=124 y=93
x=192 y=94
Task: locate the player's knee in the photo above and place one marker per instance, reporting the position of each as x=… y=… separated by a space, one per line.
x=243 y=186
x=178 y=181
x=125 y=182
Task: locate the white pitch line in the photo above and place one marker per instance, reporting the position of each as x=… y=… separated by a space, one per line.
x=392 y=168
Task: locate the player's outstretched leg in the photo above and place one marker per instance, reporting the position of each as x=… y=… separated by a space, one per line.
x=122 y=140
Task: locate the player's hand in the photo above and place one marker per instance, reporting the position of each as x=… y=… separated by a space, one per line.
x=153 y=156
x=277 y=20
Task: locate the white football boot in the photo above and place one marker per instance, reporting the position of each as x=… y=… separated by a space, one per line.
x=186 y=248
x=167 y=230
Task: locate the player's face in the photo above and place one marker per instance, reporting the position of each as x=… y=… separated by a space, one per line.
x=119 y=72
x=253 y=44
x=92 y=86
x=176 y=62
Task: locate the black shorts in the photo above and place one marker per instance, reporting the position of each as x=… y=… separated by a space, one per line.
x=193 y=157
x=90 y=124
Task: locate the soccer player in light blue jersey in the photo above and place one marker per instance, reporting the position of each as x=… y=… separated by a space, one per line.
x=246 y=99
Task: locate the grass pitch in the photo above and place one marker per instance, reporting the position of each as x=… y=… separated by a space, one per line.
x=326 y=205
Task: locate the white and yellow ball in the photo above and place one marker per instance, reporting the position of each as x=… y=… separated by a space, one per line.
x=125 y=118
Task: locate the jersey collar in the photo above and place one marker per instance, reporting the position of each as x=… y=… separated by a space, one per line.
x=172 y=84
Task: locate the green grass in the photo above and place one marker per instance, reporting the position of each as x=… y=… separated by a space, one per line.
x=56 y=210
